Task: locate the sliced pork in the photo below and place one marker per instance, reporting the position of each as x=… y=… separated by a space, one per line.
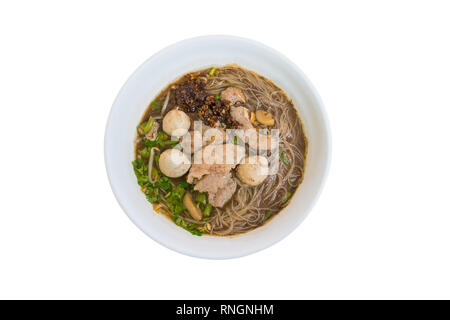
x=219 y=198
x=233 y=95
x=215 y=158
x=241 y=116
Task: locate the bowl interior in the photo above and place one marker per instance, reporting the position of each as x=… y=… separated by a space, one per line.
x=168 y=65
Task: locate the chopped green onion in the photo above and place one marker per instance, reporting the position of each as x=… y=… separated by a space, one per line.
x=162 y=136
x=212 y=71
x=151 y=144
x=283 y=158
x=156 y=105
x=195 y=232
x=164 y=183
x=217 y=96
x=192 y=228
x=148 y=125
x=207 y=210
x=169 y=143
x=201 y=198
x=162 y=140
x=267 y=214
x=286 y=197
x=145 y=153
x=235 y=141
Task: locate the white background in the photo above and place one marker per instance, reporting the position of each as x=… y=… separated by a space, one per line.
x=381 y=228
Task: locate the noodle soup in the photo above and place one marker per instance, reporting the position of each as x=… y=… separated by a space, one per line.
x=220 y=151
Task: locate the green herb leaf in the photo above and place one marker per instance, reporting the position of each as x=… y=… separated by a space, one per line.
x=174 y=199
x=191 y=227
x=217 y=96
x=184 y=184
x=267 y=214
x=195 y=232
x=152 y=194
x=178 y=191
x=141 y=171
x=212 y=71
x=164 y=183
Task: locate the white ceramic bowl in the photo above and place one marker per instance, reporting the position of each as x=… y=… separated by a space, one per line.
x=166 y=66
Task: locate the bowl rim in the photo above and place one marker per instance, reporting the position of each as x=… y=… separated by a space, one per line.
x=319 y=105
